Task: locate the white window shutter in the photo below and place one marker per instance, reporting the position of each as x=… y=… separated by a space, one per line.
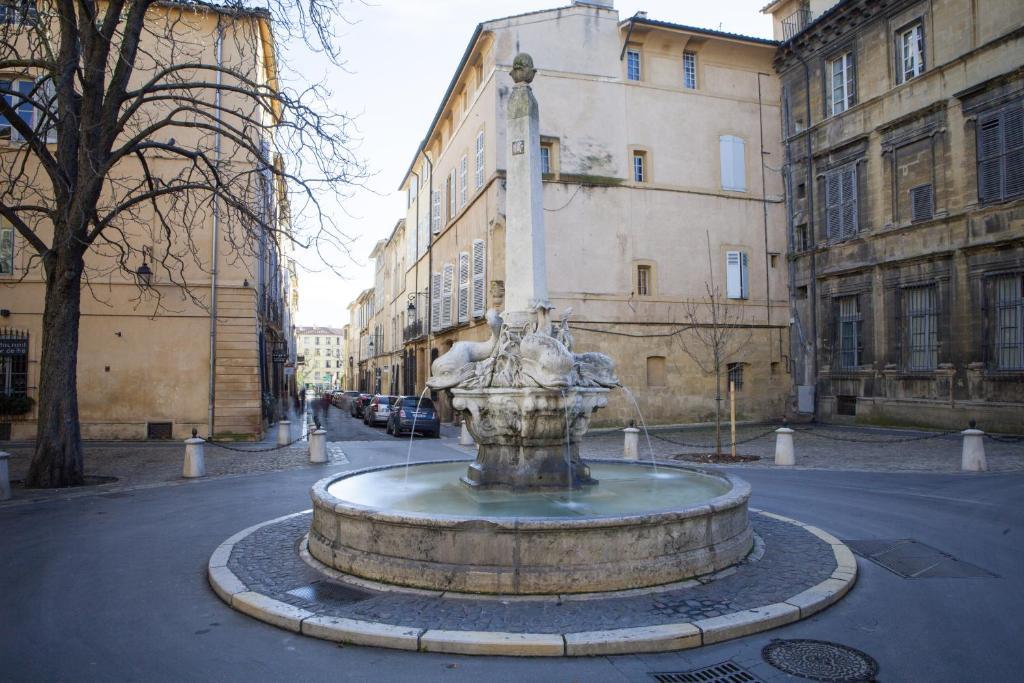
x=725 y=155
x=435 y=302
x=463 y=287
x=733 y=275
x=739 y=167
x=436 y=210
x=446 y=296
x=479 y=281
x=452 y=189
x=744 y=276
x=479 y=160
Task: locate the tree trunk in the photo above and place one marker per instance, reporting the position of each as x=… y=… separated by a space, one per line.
x=718 y=409
x=57 y=460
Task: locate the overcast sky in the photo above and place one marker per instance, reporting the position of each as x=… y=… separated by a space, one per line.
x=400 y=56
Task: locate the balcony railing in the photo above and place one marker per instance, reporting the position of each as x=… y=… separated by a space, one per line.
x=414 y=331
x=795 y=22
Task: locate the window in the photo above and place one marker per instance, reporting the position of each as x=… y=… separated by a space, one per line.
x=18 y=12
x=801 y=239
x=910 y=51
x=446 y=295
x=731 y=152
x=841 y=202
x=643 y=280
x=435 y=302
x=656 y=375
x=545 y=159
x=6 y=251
x=463 y=287
x=479 y=160
x=318 y=352
x=1001 y=153
x=452 y=185
x=736 y=375
x=849 y=332
x=920 y=203
x=633 y=65
x=318 y=341
x=640 y=167
x=842 y=87
x=18 y=96
x=412 y=190
x=690 y=70
x=463 y=180
x=1009 y=322
x=327 y=363
x=737 y=275
x=425 y=172
x=922 y=324
x=479 y=281
x=435 y=210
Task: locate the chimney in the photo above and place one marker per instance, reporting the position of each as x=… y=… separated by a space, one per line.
x=603 y=4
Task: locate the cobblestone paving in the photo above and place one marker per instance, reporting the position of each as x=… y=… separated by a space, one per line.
x=822 y=447
x=794 y=560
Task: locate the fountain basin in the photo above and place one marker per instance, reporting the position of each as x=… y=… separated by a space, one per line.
x=637 y=528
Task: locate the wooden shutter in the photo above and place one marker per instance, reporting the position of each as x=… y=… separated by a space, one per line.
x=446 y=296
x=452 y=188
x=463 y=287
x=733 y=275
x=920 y=203
x=479 y=281
x=990 y=171
x=744 y=276
x=435 y=302
x=833 y=205
x=479 y=160
x=1013 y=149
x=731 y=155
x=849 y=198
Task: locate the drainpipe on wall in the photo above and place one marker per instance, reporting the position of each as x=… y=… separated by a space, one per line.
x=214 y=240
x=764 y=206
x=812 y=227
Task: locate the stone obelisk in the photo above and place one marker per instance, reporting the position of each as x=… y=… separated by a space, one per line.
x=526 y=277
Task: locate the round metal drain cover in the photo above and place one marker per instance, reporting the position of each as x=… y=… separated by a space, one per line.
x=819 y=660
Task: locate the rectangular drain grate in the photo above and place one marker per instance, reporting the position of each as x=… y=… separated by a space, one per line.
x=323 y=591
x=912 y=559
x=726 y=672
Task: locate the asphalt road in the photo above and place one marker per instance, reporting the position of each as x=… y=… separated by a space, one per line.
x=341 y=426
x=113 y=587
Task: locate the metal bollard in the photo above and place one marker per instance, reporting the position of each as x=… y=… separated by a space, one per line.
x=195 y=461
x=972 y=456
x=284 y=432
x=318 y=446
x=784 y=446
x=5 y=477
x=465 y=438
x=631 y=443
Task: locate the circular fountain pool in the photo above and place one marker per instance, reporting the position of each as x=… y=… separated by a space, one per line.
x=640 y=526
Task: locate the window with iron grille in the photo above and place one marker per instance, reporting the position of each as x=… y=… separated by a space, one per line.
x=849 y=335
x=841 y=202
x=1009 y=337
x=920 y=203
x=922 y=327
x=1001 y=153
x=13 y=363
x=736 y=375
x=643 y=280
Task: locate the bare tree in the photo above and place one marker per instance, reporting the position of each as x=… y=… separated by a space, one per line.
x=132 y=123
x=718 y=333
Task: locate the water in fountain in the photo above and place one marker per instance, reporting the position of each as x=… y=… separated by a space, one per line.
x=568 y=448
x=643 y=424
x=412 y=434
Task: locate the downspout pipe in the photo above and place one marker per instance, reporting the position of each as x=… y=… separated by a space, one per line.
x=211 y=415
x=813 y=228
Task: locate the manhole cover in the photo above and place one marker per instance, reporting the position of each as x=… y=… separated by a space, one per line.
x=819 y=660
x=323 y=591
x=914 y=560
x=726 y=672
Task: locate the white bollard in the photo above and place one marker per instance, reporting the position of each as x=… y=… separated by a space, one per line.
x=972 y=457
x=465 y=438
x=5 y=477
x=284 y=433
x=784 y=447
x=318 y=446
x=195 y=461
x=631 y=444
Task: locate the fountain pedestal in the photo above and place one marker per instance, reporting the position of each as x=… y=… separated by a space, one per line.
x=528 y=437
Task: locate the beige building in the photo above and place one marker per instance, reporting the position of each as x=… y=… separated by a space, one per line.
x=214 y=360
x=323 y=355
x=904 y=139
x=653 y=136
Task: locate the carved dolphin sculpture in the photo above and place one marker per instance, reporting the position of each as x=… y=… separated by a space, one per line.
x=546 y=361
x=597 y=368
x=459 y=364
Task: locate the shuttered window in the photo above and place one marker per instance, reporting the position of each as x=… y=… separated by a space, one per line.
x=841 y=202
x=1001 y=154
x=452 y=186
x=479 y=278
x=921 y=203
x=1009 y=322
x=736 y=275
x=435 y=302
x=849 y=333
x=731 y=153
x=479 y=160
x=922 y=328
x=446 y=296
x=435 y=210
x=463 y=180
x=463 y=287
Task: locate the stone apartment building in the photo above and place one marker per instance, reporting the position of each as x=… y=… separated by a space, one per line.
x=323 y=357
x=662 y=159
x=218 y=363
x=903 y=124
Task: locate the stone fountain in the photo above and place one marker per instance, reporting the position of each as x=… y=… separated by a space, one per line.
x=528 y=516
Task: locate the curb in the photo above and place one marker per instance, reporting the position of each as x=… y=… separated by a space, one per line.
x=643 y=639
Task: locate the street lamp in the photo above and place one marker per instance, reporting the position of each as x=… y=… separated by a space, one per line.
x=144 y=275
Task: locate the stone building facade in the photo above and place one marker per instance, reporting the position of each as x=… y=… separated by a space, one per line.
x=654 y=137
x=324 y=357
x=903 y=123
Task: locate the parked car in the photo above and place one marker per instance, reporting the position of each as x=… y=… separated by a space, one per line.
x=357 y=404
x=407 y=409
x=343 y=399
x=378 y=410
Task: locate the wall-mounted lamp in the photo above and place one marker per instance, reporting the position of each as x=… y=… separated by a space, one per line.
x=245 y=283
x=144 y=275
